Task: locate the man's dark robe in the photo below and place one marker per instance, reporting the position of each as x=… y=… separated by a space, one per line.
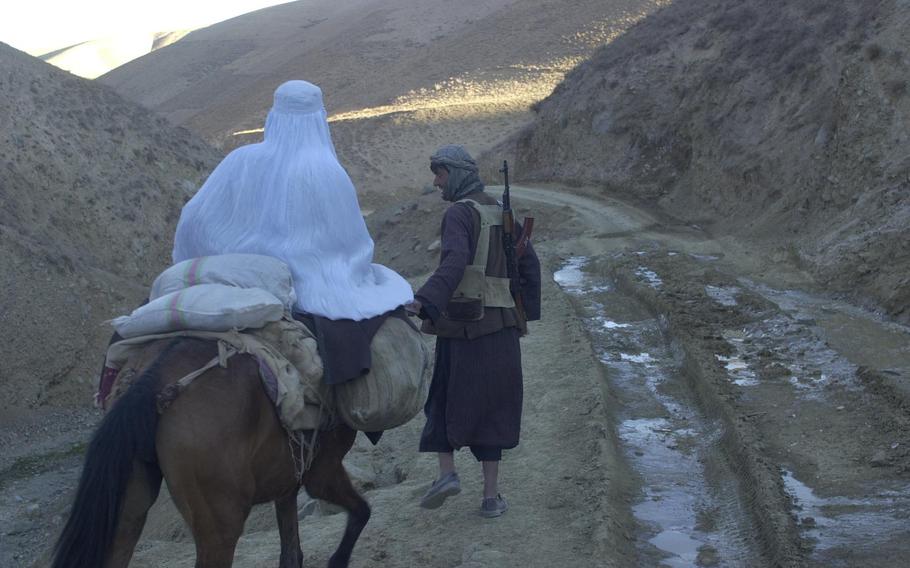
x=476 y=394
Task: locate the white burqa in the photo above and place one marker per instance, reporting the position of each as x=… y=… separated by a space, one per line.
x=288 y=197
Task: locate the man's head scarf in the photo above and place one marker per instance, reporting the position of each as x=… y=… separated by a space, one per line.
x=463 y=176
x=288 y=197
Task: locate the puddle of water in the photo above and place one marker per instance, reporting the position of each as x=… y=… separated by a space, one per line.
x=670 y=454
x=649 y=276
x=725 y=296
x=670 y=503
x=791 y=301
x=864 y=337
x=601 y=324
x=573 y=280
x=704 y=257
x=681 y=545
x=739 y=370
x=806 y=360
x=640 y=358
x=663 y=437
x=733 y=363
x=570 y=277
x=842 y=521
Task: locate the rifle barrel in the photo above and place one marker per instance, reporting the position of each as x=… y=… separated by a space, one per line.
x=506 y=201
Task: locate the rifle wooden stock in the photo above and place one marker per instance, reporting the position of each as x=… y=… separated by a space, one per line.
x=527 y=227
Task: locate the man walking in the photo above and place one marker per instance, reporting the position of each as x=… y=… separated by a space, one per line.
x=476 y=393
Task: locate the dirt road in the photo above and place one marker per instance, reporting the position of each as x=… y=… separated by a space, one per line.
x=688 y=402
x=766 y=423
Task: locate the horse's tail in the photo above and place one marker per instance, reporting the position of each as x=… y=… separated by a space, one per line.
x=125 y=435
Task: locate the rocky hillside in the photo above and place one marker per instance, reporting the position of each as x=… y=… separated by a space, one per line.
x=400 y=77
x=783 y=122
x=91 y=186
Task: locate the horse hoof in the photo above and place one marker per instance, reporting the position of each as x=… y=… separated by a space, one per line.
x=336 y=562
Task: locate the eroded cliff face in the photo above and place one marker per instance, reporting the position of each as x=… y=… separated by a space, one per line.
x=782 y=122
x=92 y=187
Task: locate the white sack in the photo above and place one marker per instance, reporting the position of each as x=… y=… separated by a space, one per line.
x=241 y=270
x=396 y=387
x=204 y=307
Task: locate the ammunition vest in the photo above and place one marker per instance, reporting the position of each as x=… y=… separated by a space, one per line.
x=486 y=279
x=485 y=284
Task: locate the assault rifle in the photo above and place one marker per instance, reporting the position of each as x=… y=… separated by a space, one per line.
x=514 y=250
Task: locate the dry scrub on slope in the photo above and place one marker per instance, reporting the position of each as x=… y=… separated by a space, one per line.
x=785 y=122
x=91 y=186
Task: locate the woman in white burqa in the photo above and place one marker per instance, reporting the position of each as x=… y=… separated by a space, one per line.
x=289 y=197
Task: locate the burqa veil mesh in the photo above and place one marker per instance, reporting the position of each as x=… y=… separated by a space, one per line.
x=289 y=197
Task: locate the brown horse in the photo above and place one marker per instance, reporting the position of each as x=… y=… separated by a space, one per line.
x=221 y=448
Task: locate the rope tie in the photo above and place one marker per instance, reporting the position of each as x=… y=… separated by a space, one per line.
x=169 y=393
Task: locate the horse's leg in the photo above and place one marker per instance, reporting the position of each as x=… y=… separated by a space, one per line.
x=206 y=477
x=327 y=479
x=141 y=491
x=286 y=510
x=216 y=532
x=208 y=442
x=215 y=514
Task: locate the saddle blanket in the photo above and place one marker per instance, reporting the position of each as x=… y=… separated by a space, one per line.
x=289 y=365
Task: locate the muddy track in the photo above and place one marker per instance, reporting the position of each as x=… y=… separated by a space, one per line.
x=813 y=428
x=705 y=491
x=759 y=479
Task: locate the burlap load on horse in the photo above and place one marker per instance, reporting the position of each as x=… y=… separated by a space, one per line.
x=243 y=302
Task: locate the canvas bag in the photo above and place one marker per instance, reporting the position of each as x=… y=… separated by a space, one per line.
x=395 y=389
x=204 y=307
x=240 y=270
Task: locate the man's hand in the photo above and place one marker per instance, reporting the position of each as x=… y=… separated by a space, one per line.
x=413 y=308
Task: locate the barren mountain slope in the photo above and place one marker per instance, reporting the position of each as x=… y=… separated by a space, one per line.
x=91 y=187
x=786 y=122
x=399 y=77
